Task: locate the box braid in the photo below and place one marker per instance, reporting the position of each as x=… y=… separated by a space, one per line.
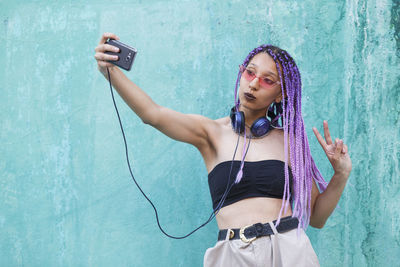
x=302 y=164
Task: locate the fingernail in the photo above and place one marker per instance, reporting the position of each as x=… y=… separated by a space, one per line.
x=116 y=49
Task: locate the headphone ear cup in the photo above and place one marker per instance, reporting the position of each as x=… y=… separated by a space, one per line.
x=260 y=127
x=237 y=120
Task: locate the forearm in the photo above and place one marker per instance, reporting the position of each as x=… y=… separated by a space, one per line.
x=133 y=96
x=327 y=201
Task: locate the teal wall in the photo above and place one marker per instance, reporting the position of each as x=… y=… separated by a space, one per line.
x=66 y=195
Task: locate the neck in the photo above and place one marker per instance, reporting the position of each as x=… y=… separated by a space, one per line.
x=251 y=115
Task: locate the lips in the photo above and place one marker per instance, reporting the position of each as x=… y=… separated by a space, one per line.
x=249 y=96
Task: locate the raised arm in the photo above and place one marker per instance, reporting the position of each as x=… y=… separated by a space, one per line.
x=188 y=128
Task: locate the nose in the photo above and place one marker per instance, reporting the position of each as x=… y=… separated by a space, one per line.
x=254 y=83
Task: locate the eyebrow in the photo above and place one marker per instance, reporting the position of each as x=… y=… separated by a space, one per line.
x=268 y=72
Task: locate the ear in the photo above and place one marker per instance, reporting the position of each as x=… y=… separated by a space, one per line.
x=278 y=99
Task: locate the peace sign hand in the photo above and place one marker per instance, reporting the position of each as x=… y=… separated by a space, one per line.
x=337 y=152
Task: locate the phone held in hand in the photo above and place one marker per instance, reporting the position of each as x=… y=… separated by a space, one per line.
x=126 y=54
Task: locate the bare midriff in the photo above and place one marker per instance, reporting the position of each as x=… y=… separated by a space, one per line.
x=250 y=211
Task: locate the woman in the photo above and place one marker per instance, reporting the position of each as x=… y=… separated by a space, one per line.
x=251 y=198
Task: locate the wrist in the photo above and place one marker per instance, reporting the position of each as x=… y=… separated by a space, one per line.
x=341 y=174
x=104 y=71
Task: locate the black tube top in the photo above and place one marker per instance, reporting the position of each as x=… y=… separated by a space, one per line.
x=264 y=178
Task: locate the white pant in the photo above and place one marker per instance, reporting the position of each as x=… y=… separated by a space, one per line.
x=276 y=250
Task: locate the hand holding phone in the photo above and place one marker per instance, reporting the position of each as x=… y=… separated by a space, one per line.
x=126 y=54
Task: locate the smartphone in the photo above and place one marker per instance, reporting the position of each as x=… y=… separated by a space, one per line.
x=126 y=54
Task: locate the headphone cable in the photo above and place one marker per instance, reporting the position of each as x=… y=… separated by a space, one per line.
x=213 y=214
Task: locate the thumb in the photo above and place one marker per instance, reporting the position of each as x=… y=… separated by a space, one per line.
x=339 y=147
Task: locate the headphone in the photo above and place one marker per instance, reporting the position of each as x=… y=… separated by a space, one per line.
x=260 y=127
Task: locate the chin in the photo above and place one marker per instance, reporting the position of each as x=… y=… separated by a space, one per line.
x=248 y=106
x=251 y=106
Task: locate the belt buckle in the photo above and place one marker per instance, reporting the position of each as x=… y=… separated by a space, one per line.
x=231 y=234
x=242 y=237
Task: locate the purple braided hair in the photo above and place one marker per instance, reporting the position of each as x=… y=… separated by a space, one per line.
x=302 y=164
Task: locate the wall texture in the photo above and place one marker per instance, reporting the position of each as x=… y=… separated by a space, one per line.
x=66 y=195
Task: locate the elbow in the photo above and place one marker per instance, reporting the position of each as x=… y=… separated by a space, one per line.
x=146 y=121
x=150 y=117
x=149 y=120
x=317 y=224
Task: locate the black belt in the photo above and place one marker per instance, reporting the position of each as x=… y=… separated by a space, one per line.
x=251 y=232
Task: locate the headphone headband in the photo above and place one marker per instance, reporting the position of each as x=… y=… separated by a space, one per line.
x=260 y=127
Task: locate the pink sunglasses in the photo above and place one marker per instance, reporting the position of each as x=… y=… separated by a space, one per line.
x=249 y=75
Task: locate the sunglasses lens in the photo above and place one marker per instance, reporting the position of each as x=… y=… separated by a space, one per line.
x=266 y=83
x=248 y=75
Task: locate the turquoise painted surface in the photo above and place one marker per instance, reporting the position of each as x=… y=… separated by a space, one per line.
x=66 y=195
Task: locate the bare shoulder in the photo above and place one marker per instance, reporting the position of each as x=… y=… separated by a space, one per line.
x=215 y=129
x=223 y=122
x=277 y=135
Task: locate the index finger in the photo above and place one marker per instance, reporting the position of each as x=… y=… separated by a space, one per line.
x=327 y=133
x=319 y=137
x=107 y=35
